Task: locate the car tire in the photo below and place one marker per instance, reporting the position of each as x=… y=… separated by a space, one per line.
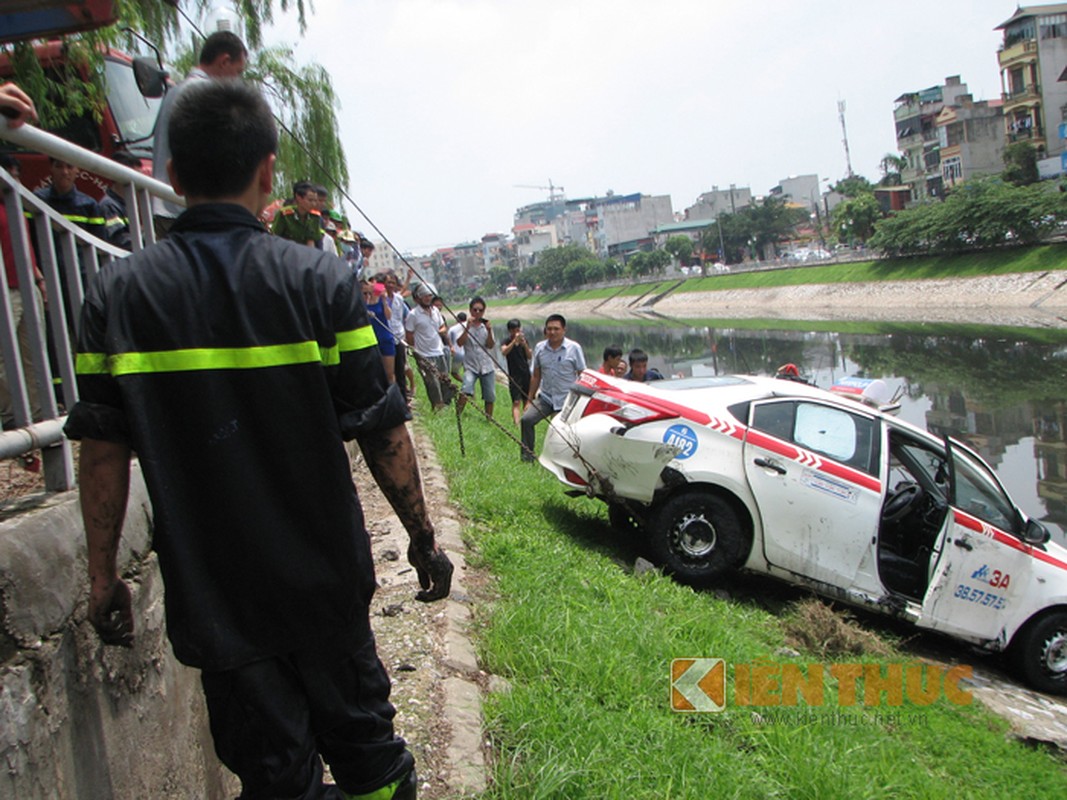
x=1038 y=654
x=697 y=537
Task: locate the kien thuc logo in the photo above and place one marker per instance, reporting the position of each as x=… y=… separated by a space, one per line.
x=698 y=684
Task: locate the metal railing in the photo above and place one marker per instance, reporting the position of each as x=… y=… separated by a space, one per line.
x=66 y=256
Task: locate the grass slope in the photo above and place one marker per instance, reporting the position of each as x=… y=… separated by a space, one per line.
x=586 y=646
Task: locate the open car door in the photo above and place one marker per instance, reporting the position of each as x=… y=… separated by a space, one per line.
x=983 y=564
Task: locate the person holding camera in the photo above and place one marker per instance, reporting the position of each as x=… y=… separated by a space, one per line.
x=479 y=366
x=517 y=351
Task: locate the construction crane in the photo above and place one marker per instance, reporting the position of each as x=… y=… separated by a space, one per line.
x=555 y=193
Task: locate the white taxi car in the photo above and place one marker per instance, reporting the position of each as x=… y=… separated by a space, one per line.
x=785 y=479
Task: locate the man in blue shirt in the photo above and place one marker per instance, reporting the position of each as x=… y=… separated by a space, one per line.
x=557 y=363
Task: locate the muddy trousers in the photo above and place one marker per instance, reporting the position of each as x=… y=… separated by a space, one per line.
x=272 y=719
x=434 y=372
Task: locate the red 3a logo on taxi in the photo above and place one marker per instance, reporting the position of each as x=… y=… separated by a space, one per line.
x=995 y=578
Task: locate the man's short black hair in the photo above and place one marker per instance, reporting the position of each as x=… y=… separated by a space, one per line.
x=222 y=43
x=7 y=161
x=612 y=351
x=514 y=324
x=301 y=188
x=220 y=132
x=638 y=355
x=556 y=318
x=476 y=300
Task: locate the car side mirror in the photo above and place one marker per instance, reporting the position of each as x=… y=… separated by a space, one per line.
x=151 y=80
x=1035 y=533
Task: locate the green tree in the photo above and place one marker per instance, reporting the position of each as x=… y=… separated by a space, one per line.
x=304 y=101
x=984 y=212
x=1020 y=164
x=499 y=279
x=551 y=268
x=853 y=186
x=892 y=166
x=680 y=247
x=302 y=97
x=853 y=219
x=771 y=222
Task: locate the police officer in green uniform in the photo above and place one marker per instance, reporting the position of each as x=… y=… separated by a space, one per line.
x=300 y=222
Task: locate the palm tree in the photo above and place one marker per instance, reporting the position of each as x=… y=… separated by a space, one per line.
x=892 y=166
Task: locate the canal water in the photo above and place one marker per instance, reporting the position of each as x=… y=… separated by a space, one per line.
x=1003 y=391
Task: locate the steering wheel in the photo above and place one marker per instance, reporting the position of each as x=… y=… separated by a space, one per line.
x=904 y=498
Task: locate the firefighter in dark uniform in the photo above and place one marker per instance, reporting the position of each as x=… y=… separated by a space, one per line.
x=300 y=222
x=236 y=365
x=75 y=205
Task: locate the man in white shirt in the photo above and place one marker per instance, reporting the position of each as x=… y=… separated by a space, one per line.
x=223 y=55
x=557 y=363
x=424 y=330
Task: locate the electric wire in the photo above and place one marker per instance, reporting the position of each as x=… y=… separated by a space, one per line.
x=412 y=271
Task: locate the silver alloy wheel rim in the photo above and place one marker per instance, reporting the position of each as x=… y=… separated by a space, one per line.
x=695 y=536
x=1056 y=653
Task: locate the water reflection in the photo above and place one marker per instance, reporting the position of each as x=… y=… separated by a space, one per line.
x=1004 y=392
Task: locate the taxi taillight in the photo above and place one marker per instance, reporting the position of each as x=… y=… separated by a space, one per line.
x=624 y=409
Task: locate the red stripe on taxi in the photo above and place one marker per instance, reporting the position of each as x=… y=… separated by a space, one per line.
x=794 y=453
x=965 y=520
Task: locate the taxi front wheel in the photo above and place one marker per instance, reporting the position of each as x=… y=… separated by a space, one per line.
x=697 y=537
x=1038 y=654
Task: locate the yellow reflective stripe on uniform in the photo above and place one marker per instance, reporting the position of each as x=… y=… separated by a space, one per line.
x=85 y=220
x=357 y=339
x=90 y=364
x=209 y=358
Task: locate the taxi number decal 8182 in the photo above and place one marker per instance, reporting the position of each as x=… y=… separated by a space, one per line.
x=683 y=437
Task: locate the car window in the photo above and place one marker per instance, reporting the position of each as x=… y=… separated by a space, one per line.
x=978 y=493
x=826 y=430
x=833 y=432
x=775 y=419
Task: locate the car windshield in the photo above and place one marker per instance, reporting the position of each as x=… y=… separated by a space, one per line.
x=134 y=113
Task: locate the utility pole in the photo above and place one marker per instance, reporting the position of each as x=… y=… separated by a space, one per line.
x=844 y=134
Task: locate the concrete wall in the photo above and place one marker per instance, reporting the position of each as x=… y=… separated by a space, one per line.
x=77 y=719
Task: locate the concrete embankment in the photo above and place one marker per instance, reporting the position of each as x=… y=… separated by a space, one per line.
x=80 y=720
x=1029 y=299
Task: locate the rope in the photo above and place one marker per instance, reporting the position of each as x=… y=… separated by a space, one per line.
x=414 y=272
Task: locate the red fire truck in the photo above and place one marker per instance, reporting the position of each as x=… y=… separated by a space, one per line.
x=134 y=85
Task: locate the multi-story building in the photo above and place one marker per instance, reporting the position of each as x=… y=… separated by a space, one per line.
x=800 y=190
x=531 y=239
x=624 y=222
x=971 y=139
x=719 y=201
x=1032 y=61
x=610 y=226
x=469 y=262
x=915 y=116
x=494 y=250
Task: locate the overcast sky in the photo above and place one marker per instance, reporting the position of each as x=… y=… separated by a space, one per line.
x=447 y=105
